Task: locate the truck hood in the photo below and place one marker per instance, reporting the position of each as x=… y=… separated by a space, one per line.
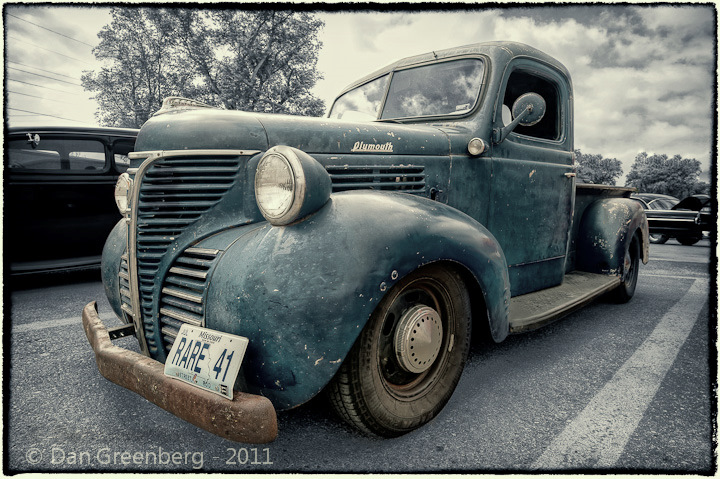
x=223 y=129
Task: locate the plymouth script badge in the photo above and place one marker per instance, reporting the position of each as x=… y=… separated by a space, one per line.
x=362 y=146
x=206 y=358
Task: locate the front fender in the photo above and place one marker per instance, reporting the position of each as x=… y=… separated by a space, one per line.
x=115 y=247
x=606 y=227
x=302 y=293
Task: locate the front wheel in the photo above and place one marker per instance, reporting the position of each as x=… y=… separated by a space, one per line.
x=658 y=238
x=631 y=266
x=408 y=359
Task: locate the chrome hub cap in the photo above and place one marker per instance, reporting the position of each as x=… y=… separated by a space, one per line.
x=418 y=339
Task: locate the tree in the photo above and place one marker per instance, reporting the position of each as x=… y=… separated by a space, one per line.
x=674 y=176
x=260 y=60
x=596 y=169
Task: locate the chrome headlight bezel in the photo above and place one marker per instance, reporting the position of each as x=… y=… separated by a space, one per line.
x=307 y=185
x=123 y=193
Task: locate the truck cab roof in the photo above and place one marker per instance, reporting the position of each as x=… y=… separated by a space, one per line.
x=497 y=52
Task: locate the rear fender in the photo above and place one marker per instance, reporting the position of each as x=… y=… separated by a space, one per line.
x=302 y=293
x=606 y=227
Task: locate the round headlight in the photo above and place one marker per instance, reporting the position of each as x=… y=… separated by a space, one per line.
x=289 y=184
x=275 y=187
x=123 y=189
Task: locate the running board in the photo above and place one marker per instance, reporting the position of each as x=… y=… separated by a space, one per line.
x=533 y=310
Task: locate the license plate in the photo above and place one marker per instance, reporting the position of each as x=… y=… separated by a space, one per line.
x=206 y=358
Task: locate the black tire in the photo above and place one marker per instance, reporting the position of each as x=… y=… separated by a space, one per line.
x=658 y=239
x=374 y=390
x=688 y=240
x=631 y=266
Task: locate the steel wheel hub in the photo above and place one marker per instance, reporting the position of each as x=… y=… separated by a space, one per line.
x=418 y=338
x=627 y=266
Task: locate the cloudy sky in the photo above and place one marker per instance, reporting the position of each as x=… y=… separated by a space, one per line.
x=643 y=75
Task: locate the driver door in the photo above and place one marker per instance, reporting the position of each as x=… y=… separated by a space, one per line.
x=533 y=181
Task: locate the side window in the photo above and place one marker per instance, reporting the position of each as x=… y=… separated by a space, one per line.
x=121 y=149
x=67 y=155
x=521 y=82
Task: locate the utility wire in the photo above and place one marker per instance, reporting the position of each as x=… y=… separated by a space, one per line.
x=44 y=76
x=46 y=71
x=45 y=114
x=47 y=49
x=42 y=86
x=35 y=96
x=49 y=30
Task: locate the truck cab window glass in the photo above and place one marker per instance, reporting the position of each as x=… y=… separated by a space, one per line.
x=521 y=82
x=506 y=115
x=448 y=88
x=362 y=103
x=69 y=155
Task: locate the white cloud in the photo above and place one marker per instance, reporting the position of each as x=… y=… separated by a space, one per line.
x=643 y=75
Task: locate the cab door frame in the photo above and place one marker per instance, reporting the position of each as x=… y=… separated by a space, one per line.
x=532 y=197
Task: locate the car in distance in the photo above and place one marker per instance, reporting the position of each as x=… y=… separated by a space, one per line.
x=687 y=220
x=58 y=195
x=655 y=201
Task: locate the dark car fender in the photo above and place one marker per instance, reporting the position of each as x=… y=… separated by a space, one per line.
x=302 y=293
x=115 y=247
x=605 y=228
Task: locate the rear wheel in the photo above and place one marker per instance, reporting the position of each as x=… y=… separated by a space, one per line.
x=688 y=240
x=658 y=239
x=631 y=267
x=408 y=359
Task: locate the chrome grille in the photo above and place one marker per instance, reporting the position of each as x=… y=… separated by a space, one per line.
x=174 y=193
x=183 y=292
x=391 y=177
x=124 y=282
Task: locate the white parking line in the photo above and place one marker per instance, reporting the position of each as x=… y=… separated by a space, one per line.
x=54 y=323
x=673 y=276
x=599 y=434
x=678 y=260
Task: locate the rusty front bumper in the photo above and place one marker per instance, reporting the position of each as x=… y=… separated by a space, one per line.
x=247 y=418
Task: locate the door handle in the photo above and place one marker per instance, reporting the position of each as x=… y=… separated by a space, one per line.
x=570 y=175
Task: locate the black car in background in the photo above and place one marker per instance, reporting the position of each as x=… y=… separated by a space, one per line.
x=59 y=203
x=655 y=201
x=687 y=220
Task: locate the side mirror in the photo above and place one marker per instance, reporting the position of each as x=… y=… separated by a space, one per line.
x=527 y=110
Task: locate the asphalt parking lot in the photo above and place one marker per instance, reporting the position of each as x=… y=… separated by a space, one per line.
x=611 y=388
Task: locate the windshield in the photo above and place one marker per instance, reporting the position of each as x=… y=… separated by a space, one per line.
x=362 y=103
x=439 y=89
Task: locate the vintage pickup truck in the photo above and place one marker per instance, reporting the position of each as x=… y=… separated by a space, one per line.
x=354 y=254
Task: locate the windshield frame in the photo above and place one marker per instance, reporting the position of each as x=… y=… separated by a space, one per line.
x=484 y=59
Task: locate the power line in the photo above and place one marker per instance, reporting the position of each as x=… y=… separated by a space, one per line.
x=45 y=114
x=35 y=96
x=47 y=49
x=46 y=71
x=49 y=30
x=42 y=86
x=44 y=76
